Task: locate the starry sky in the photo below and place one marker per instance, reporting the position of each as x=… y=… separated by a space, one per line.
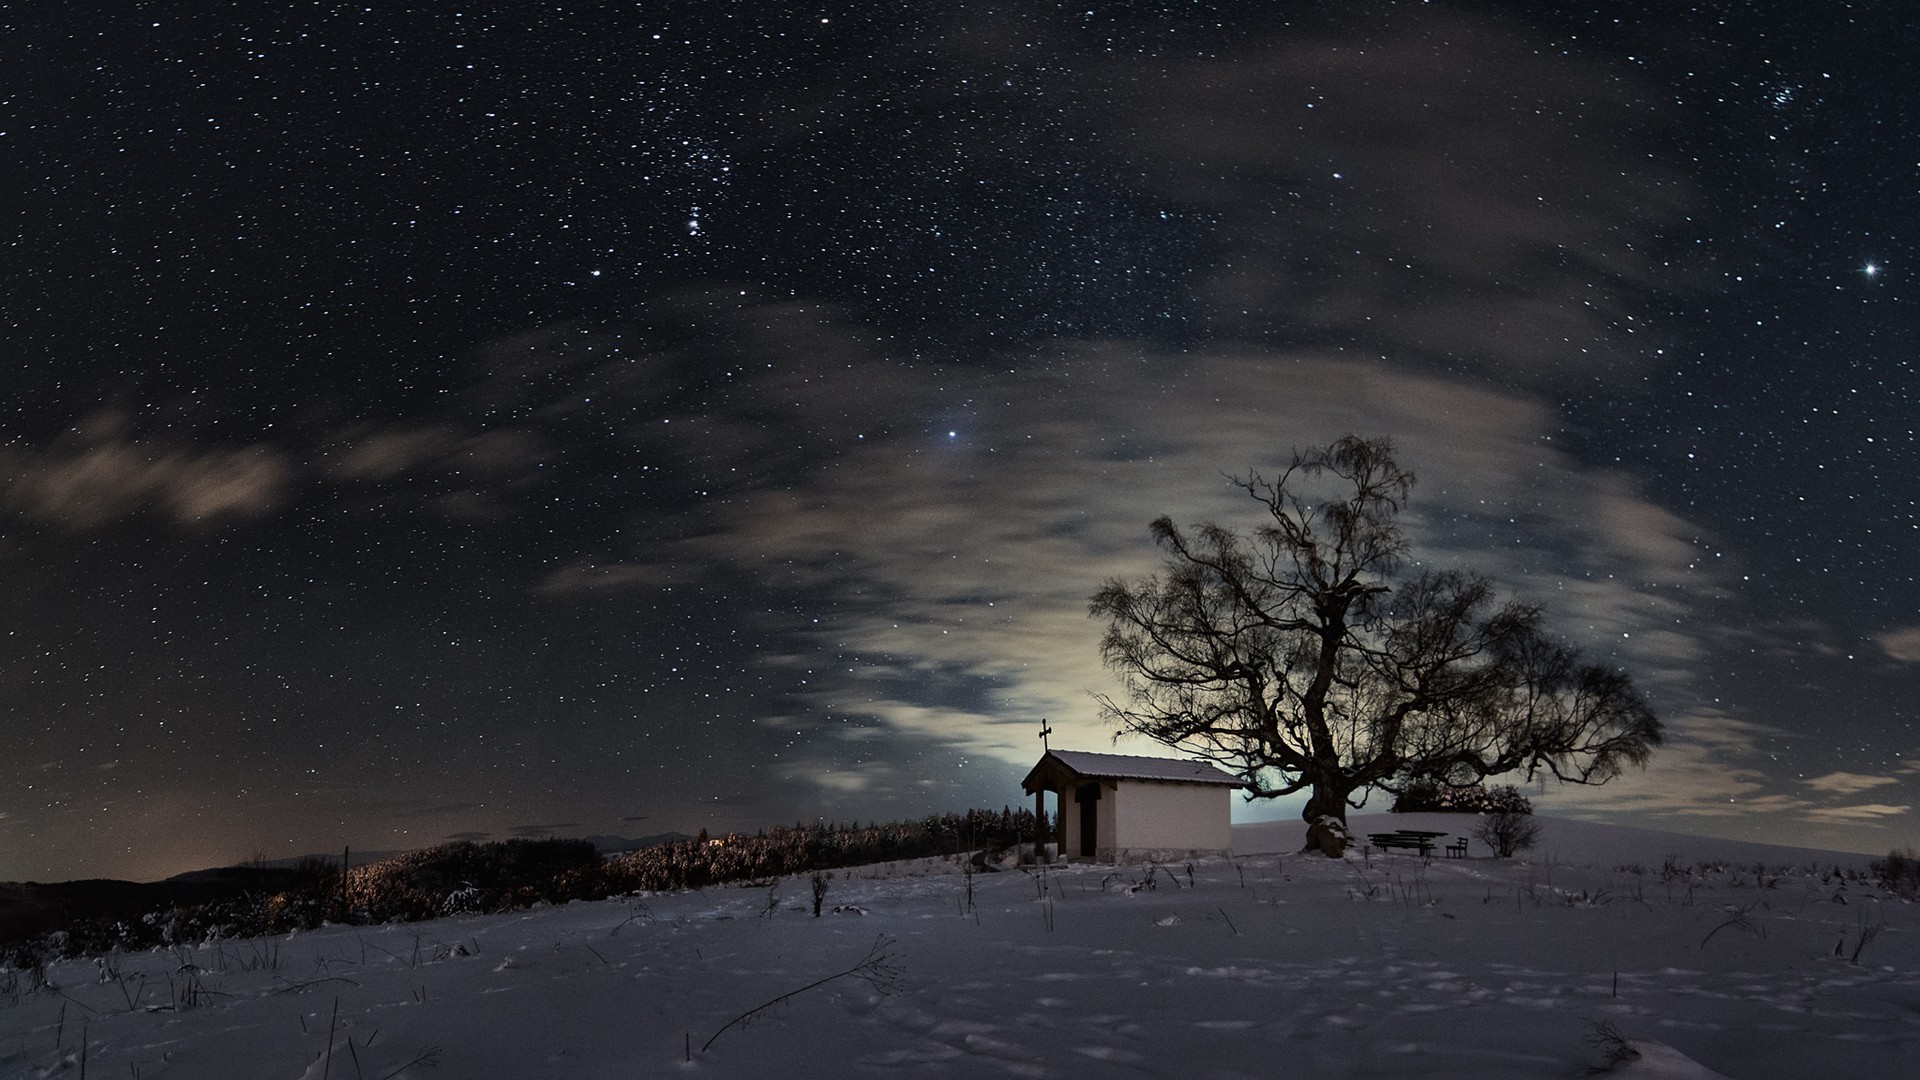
x=574 y=419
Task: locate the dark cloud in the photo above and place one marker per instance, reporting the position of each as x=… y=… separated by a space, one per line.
x=1451 y=190
x=560 y=828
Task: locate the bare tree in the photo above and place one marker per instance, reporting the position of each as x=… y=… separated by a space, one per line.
x=1300 y=657
x=1507 y=832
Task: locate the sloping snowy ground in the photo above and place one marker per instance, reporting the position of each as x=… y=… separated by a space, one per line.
x=1261 y=966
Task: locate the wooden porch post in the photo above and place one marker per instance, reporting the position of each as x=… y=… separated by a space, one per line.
x=1040 y=825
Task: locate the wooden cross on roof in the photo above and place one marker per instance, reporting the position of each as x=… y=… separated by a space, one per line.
x=1044 y=732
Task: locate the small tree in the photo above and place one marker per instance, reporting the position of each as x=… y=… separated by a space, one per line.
x=1507 y=831
x=1899 y=871
x=1300 y=658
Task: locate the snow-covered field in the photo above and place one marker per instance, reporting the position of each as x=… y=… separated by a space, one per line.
x=1268 y=965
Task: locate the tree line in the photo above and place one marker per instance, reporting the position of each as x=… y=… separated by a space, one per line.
x=503 y=875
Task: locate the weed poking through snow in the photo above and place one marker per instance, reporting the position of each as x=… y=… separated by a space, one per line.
x=879 y=969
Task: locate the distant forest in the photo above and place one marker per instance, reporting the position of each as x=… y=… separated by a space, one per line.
x=39 y=923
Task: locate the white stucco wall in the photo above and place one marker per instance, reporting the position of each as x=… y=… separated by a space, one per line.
x=1145 y=816
x=1104 y=831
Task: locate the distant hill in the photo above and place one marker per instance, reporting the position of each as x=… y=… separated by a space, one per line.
x=605 y=845
x=31 y=909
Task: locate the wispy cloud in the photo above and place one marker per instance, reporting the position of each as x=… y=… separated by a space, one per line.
x=459 y=470
x=1706 y=774
x=1846 y=783
x=380 y=455
x=1708 y=768
x=959 y=565
x=584 y=578
x=1864 y=812
x=549 y=829
x=1902 y=644
x=97 y=478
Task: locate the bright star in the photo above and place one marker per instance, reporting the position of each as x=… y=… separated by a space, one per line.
x=1871 y=269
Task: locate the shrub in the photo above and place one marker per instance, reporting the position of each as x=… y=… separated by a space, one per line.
x=28 y=960
x=465 y=876
x=1899 y=871
x=1507 y=832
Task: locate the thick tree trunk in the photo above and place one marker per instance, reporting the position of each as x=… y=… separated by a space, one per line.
x=1325 y=803
x=1326 y=818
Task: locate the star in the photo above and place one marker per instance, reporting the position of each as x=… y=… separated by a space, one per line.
x=1872 y=270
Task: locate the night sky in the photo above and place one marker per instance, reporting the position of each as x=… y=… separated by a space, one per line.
x=580 y=419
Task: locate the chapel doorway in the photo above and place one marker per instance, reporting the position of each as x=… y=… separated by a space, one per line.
x=1088 y=796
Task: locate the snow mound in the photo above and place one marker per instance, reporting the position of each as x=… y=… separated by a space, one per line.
x=1658 y=1061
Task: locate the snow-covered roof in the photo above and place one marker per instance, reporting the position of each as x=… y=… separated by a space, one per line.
x=1128 y=767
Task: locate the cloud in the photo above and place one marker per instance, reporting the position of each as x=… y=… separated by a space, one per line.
x=460 y=472
x=584 y=578
x=1902 y=644
x=380 y=455
x=951 y=573
x=1707 y=769
x=845 y=782
x=1864 y=812
x=1708 y=772
x=543 y=830
x=1641 y=532
x=99 y=478
x=1456 y=191
x=1846 y=783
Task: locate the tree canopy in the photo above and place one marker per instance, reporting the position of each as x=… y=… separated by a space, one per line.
x=1302 y=657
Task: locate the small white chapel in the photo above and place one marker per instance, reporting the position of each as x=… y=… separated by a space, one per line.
x=1134 y=809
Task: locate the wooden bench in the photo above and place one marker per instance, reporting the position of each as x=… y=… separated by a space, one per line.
x=1457 y=849
x=1411 y=839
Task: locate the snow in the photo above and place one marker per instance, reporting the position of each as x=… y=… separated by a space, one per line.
x=1649 y=954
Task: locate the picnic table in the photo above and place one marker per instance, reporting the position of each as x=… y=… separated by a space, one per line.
x=1415 y=839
